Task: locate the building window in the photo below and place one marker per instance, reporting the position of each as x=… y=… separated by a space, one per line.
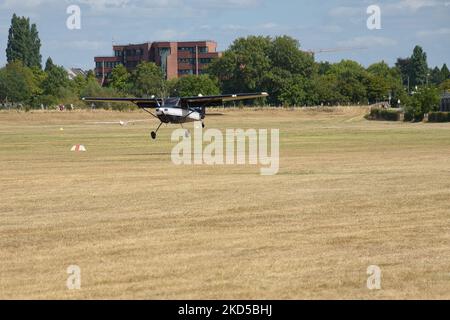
x=185 y=71
x=192 y=60
x=130 y=52
x=203 y=49
x=188 y=49
x=186 y=60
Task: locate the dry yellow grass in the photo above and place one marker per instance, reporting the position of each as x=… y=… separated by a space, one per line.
x=350 y=193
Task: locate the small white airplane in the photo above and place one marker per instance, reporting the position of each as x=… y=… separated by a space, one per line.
x=180 y=110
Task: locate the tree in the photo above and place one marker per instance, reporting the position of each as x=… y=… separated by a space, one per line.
x=57 y=80
x=326 y=88
x=425 y=100
x=274 y=82
x=351 y=81
x=39 y=77
x=294 y=92
x=148 y=79
x=49 y=64
x=445 y=86
x=120 y=79
x=78 y=84
x=323 y=67
x=436 y=76
x=93 y=88
x=23 y=42
x=285 y=53
x=445 y=72
x=35 y=58
x=384 y=82
x=17 y=83
x=404 y=68
x=419 y=67
x=258 y=63
x=194 y=85
x=379 y=82
x=244 y=65
x=56 y=86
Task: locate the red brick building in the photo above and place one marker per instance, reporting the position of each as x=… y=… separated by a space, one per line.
x=175 y=58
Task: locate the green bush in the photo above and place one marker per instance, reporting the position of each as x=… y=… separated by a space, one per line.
x=409 y=116
x=439 y=117
x=385 y=114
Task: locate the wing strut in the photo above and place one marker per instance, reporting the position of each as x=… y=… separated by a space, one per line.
x=150 y=113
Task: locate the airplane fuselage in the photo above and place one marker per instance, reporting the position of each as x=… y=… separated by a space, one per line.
x=177 y=115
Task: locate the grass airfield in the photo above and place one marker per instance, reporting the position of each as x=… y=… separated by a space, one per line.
x=350 y=193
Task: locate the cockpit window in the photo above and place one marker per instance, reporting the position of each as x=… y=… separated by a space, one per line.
x=172 y=102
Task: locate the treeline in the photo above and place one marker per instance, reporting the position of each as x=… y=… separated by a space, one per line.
x=255 y=63
x=290 y=76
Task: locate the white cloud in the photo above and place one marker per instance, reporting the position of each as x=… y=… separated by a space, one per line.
x=436 y=32
x=102 y=5
x=79 y=45
x=331 y=29
x=225 y=3
x=392 y=7
x=368 y=41
x=233 y=27
x=415 y=5
x=347 y=11
x=268 y=25
x=14 y=4
x=169 y=35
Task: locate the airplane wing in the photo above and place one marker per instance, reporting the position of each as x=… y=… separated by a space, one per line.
x=203 y=101
x=140 y=102
x=198 y=101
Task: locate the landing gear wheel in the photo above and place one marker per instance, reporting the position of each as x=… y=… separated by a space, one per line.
x=153 y=135
x=203 y=125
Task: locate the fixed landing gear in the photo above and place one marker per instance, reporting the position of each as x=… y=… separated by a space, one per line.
x=187 y=133
x=153 y=134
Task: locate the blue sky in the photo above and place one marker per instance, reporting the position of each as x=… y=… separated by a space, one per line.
x=316 y=24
